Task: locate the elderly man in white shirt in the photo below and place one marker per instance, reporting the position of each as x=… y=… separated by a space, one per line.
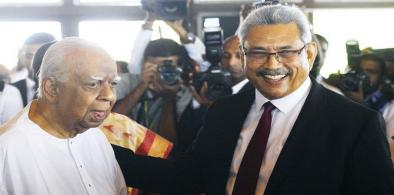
x=54 y=145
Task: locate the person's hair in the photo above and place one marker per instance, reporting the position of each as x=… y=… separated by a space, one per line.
x=162 y=48
x=373 y=57
x=39 y=38
x=321 y=39
x=57 y=64
x=276 y=14
x=37 y=59
x=229 y=39
x=122 y=66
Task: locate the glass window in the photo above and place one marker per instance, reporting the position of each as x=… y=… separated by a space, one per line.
x=117 y=37
x=368 y=26
x=13 y=34
x=108 y=2
x=30 y=2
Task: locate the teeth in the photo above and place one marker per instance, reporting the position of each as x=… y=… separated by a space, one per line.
x=274 y=77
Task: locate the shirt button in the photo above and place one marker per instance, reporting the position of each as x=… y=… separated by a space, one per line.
x=90 y=185
x=80 y=166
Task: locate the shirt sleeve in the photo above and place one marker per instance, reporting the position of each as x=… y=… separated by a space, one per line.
x=196 y=51
x=137 y=53
x=12 y=102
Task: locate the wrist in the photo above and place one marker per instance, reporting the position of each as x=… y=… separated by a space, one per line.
x=148 y=25
x=188 y=38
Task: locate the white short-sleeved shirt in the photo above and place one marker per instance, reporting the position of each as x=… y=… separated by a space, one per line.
x=10 y=103
x=35 y=162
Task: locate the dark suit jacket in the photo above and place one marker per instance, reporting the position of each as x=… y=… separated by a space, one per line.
x=335 y=147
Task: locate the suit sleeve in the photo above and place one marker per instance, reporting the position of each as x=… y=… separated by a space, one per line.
x=370 y=170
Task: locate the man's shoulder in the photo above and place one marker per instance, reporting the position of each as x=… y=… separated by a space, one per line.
x=12 y=134
x=342 y=106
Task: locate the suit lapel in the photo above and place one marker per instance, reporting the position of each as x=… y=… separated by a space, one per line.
x=304 y=124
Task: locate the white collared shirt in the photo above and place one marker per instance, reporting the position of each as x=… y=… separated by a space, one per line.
x=10 y=103
x=237 y=87
x=35 y=162
x=283 y=118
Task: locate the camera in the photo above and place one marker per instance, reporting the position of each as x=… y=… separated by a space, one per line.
x=213 y=40
x=218 y=80
x=169 y=10
x=351 y=80
x=169 y=73
x=353 y=53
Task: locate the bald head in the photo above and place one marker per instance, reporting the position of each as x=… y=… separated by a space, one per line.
x=65 y=57
x=231 y=59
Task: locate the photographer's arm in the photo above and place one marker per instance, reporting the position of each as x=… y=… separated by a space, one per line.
x=195 y=48
x=140 y=43
x=125 y=105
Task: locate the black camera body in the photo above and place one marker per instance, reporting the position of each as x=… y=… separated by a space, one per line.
x=169 y=73
x=169 y=10
x=351 y=80
x=219 y=83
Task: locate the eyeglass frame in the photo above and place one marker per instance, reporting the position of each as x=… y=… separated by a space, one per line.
x=298 y=51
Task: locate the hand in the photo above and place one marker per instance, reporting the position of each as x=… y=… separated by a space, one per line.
x=178 y=28
x=200 y=97
x=357 y=96
x=148 y=73
x=149 y=20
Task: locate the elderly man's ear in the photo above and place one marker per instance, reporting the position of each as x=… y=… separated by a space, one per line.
x=50 y=89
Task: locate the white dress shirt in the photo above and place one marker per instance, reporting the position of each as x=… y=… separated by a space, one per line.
x=10 y=103
x=35 y=162
x=283 y=119
x=388 y=115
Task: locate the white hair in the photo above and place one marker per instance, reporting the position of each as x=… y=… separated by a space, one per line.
x=276 y=14
x=57 y=62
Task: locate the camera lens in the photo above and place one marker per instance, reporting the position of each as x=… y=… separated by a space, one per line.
x=169 y=73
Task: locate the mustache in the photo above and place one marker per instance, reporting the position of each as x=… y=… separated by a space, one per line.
x=273 y=72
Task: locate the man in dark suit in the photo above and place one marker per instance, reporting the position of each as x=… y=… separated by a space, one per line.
x=288 y=136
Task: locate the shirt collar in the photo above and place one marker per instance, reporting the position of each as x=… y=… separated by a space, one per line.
x=19 y=75
x=237 y=87
x=287 y=103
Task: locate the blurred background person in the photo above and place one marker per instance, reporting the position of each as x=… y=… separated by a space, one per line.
x=10 y=97
x=231 y=61
x=22 y=76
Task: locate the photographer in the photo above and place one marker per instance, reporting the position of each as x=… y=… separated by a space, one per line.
x=154 y=98
x=193 y=45
x=231 y=62
x=369 y=75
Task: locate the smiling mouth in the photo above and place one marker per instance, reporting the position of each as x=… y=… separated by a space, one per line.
x=275 y=75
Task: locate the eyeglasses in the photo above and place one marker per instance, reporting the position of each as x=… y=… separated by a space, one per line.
x=285 y=56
